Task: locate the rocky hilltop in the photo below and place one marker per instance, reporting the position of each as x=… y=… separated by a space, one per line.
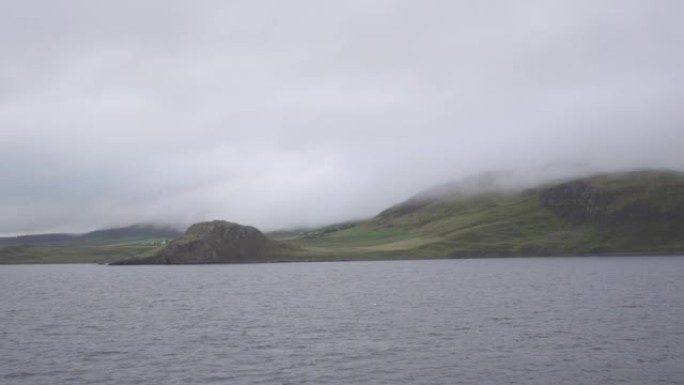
x=216 y=242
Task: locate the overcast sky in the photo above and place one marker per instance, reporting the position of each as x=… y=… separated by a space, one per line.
x=290 y=113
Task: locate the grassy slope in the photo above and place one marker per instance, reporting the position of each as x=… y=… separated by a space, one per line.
x=517 y=224
x=470 y=226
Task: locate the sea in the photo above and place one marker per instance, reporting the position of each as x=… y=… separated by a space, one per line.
x=583 y=320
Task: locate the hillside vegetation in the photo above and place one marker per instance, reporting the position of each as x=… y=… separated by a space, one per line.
x=639 y=212
x=618 y=213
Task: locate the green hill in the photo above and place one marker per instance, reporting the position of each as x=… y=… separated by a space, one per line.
x=618 y=213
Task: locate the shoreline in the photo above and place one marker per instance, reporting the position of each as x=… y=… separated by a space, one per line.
x=372 y=259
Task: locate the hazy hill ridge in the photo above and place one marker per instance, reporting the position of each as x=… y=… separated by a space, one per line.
x=613 y=213
x=95 y=246
x=112 y=235
x=638 y=212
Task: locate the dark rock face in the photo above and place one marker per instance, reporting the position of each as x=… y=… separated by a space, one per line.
x=216 y=242
x=576 y=202
x=636 y=211
x=641 y=224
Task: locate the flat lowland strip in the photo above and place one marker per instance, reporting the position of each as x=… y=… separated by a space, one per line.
x=73 y=254
x=94 y=247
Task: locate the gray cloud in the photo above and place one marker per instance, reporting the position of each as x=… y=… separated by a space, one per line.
x=306 y=112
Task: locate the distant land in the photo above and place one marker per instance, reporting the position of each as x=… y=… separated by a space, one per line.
x=95 y=246
x=622 y=213
x=638 y=212
x=218 y=242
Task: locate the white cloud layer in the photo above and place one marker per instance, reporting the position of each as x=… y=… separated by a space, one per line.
x=307 y=112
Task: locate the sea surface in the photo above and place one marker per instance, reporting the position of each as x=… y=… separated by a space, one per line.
x=479 y=321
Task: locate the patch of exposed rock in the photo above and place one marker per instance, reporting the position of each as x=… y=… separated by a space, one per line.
x=216 y=242
x=576 y=202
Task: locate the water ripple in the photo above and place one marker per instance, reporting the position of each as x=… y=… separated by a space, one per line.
x=495 y=321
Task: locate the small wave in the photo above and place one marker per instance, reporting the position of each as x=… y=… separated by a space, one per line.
x=19 y=375
x=107 y=353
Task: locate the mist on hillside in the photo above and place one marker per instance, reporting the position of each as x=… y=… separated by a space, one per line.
x=304 y=113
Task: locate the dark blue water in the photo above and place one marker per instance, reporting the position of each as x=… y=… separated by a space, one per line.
x=493 y=321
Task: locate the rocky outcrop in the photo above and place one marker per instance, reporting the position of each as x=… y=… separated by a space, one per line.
x=216 y=242
x=623 y=212
x=576 y=202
